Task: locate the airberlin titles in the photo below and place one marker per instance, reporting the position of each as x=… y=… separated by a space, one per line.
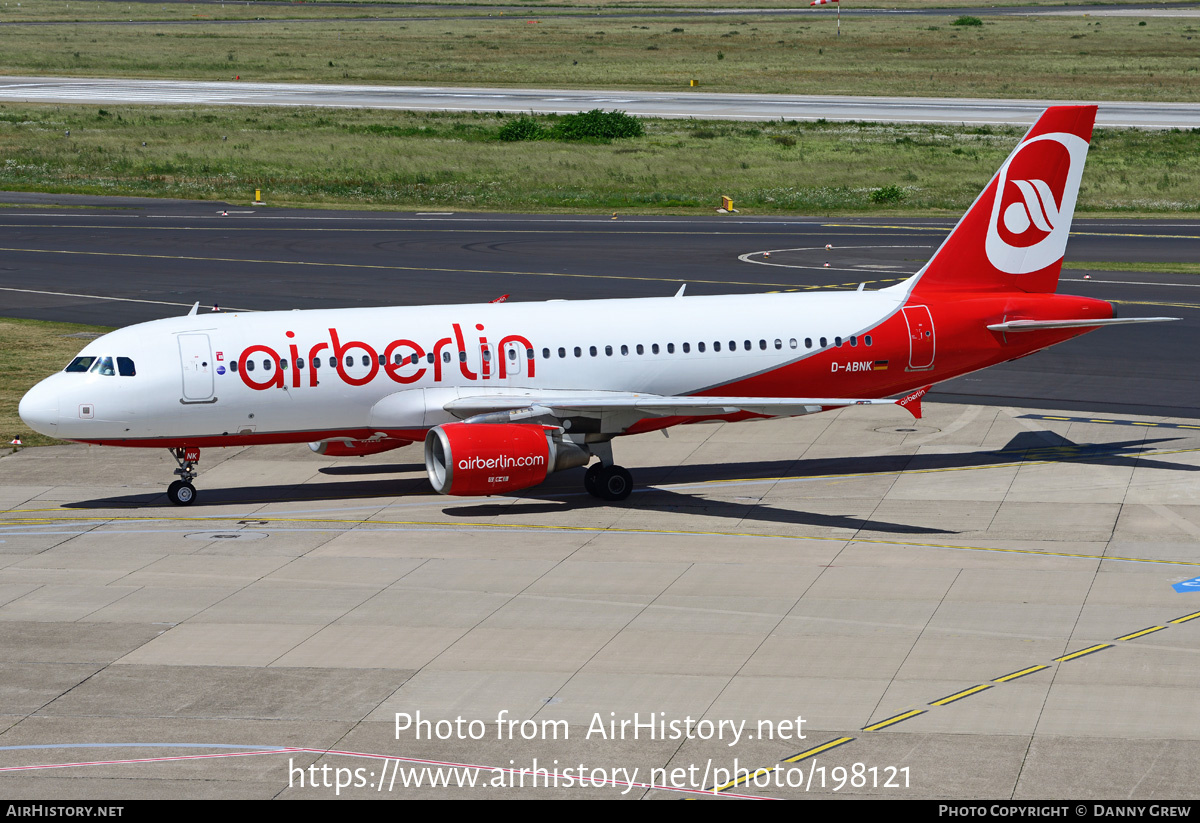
x=404 y=361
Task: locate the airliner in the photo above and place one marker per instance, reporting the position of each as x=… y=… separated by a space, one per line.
x=503 y=394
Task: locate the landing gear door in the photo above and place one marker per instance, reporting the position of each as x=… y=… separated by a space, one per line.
x=195 y=357
x=921 y=340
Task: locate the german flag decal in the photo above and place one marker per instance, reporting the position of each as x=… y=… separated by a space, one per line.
x=880 y=365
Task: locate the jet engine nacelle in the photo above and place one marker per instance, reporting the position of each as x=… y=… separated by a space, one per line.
x=493 y=458
x=356 y=448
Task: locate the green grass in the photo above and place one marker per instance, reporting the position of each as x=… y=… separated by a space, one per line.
x=404 y=160
x=29 y=351
x=1031 y=57
x=94 y=11
x=1156 y=267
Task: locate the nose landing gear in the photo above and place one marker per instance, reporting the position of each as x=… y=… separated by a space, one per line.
x=182 y=492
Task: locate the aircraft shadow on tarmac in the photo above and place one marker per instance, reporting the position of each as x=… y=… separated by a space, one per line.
x=562 y=493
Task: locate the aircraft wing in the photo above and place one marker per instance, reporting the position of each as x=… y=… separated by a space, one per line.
x=596 y=404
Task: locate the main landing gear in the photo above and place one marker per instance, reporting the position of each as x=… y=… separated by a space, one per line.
x=182 y=492
x=608 y=482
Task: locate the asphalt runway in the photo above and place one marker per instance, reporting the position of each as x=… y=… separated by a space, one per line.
x=121 y=261
x=689 y=104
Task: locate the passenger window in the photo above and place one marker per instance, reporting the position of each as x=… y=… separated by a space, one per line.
x=462 y=356
x=808 y=342
x=398 y=359
x=349 y=360
x=316 y=362
x=545 y=354
x=80 y=364
x=415 y=358
x=687 y=347
x=562 y=352
x=299 y=362
x=778 y=343
x=867 y=339
x=366 y=360
x=529 y=354
x=624 y=349
x=487 y=356
x=670 y=348
x=837 y=341
x=233 y=366
x=654 y=348
x=762 y=344
x=853 y=340
x=333 y=362
x=640 y=349
x=793 y=343
x=578 y=352
x=700 y=346
x=733 y=345
x=445 y=357
x=125 y=367
x=748 y=347
x=824 y=342
x=383 y=359
x=608 y=350
x=249 y=365
x=717 y=345
x=512 y=354
x=282 y=364
x=266 y=365
x=592 y=350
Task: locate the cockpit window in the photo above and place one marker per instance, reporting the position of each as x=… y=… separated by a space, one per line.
x=104 y=366
x=80 y=364
x=125 y=367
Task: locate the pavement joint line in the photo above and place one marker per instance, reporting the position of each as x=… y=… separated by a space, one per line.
x=677 y=532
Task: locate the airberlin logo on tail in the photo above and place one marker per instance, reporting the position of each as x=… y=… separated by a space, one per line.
x=1033 y=203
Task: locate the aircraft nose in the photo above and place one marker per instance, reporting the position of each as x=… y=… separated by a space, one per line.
x=39 y=409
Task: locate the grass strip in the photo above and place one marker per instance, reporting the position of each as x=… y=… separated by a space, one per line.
x=1036 y=56
x=1140 y=266
x=455 y=161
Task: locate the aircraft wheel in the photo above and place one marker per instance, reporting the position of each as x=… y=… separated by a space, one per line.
x=181 y=494
x=591 y=479
x=614 y=483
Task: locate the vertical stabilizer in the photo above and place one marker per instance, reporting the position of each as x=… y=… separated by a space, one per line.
x=1015 y=233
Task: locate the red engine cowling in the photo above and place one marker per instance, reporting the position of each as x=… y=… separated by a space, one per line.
x=494 y=458
x=356 y=448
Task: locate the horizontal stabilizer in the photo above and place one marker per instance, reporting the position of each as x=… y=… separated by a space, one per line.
x=1038 y=325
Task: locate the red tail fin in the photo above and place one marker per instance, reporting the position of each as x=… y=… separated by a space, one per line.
x=1014 y=235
